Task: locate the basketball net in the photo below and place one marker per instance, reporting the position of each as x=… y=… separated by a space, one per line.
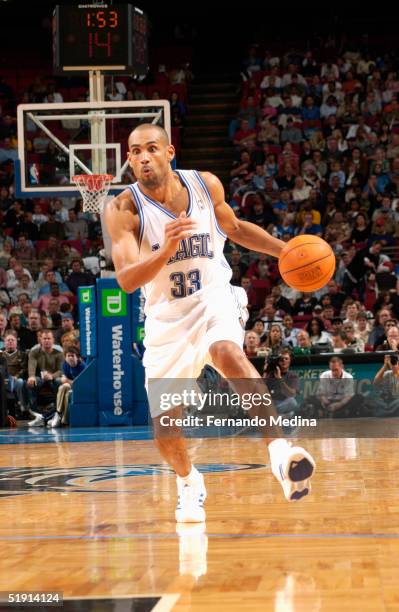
x=94 y=189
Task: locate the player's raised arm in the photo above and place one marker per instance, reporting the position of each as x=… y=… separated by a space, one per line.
x=241 y=232
x=123 y=222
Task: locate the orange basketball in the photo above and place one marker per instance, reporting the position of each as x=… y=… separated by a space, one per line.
x=307 y=263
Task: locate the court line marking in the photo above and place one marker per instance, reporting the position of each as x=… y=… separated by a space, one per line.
x=165 y=604
x=161 y=536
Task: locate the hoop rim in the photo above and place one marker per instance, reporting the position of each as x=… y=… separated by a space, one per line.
x=85 y=178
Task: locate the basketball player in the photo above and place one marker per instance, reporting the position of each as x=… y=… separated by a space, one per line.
x=168 y=231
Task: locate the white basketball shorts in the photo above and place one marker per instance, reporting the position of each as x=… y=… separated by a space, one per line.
x=177 y=346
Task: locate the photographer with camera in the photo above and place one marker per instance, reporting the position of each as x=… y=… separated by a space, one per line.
x=283 y=384
x=387 y=383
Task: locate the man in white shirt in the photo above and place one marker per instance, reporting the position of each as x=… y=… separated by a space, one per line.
x=336 y=390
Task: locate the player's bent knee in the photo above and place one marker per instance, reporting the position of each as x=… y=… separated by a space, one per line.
x=222 y=352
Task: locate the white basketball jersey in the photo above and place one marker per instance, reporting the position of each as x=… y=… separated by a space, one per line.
x=199 y=263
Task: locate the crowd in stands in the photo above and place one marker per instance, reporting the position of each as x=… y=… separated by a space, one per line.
x=317 y=152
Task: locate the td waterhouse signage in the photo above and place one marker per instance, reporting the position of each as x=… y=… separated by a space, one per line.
x=114 y=350
x=88 y=323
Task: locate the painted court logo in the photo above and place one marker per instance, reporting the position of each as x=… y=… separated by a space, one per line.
x=95 y=479
x=113 y=303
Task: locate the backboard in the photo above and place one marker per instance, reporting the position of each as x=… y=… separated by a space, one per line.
x=57 y=141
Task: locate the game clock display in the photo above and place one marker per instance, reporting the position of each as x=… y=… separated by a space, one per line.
x=106 y=37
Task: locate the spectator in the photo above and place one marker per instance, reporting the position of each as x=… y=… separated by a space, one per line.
x=17 y=367
x=53 y=250
x=282 y=384
x=3 y=328
x=274 y=340
x=43 y=302
x=71 y=368
x=387 y=381
x=24 y=252
x=378 y=332
x=336 y=391
x=352 y=342
x=29 y=337
x=67 y=327
x=50 y=228
x=75 y=229
x=44 y=368
x=290 y=333
x=392 y=340
x=318 y=335
x=268 y=315
x=251 y=344
x=304 y=345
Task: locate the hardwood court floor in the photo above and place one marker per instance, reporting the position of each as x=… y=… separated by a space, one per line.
x=102 y=531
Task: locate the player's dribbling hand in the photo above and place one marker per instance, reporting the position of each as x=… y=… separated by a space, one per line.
x=177 y=230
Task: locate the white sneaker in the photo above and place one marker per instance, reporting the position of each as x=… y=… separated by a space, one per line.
x=293 y=468
x=38 y=421
x=55 y=421
x=190 y=501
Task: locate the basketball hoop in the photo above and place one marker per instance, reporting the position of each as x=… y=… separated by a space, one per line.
x=94 y=189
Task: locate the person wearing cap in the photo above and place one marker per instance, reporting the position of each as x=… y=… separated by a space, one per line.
x=67 y=326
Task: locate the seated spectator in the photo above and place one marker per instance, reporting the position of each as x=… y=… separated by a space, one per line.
x=15 y=272
x=75 y=229
x=42 y=303
x=29 y=337
x=362 y=329
x=51 y=279
x=305 y=304
x=352 y=310
x=25 y=286
x=318 y=335
x=309 y=227
x=281 y=304
x=67 y=326
x=386 y=380
x=23 y=251
x=392 y=340
x=269 y=315
x=251 y=344
x=304 y=345
x=282 y=384
x=17 y=367
x=53 y=250
x=352 y=342
x=6 y=253
x=3 y=328
x=44 y=368
x=291 y=133
x=274 y=340
x=339 y=343
x=51 y=228
x=290 y=333
x=69 y=253
x=71 y=368
x=245 y=135
x=38 y=217
x=47 y=265
x=378 y=331
x=361 y=230
x=336 y=391
x=251 y=293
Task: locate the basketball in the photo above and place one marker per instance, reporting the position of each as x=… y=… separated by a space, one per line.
x=307 y=263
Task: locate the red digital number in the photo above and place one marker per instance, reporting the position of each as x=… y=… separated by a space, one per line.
x=95 y=42
x=101 y=22
x=113 y=19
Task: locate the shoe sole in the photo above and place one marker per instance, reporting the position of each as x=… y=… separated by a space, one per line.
x=300 y=470
x=200 y=518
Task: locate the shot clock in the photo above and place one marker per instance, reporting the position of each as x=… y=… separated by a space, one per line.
x=100 y=36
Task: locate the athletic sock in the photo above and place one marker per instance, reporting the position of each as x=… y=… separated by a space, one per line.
x=191 y=478
x=279 y=444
